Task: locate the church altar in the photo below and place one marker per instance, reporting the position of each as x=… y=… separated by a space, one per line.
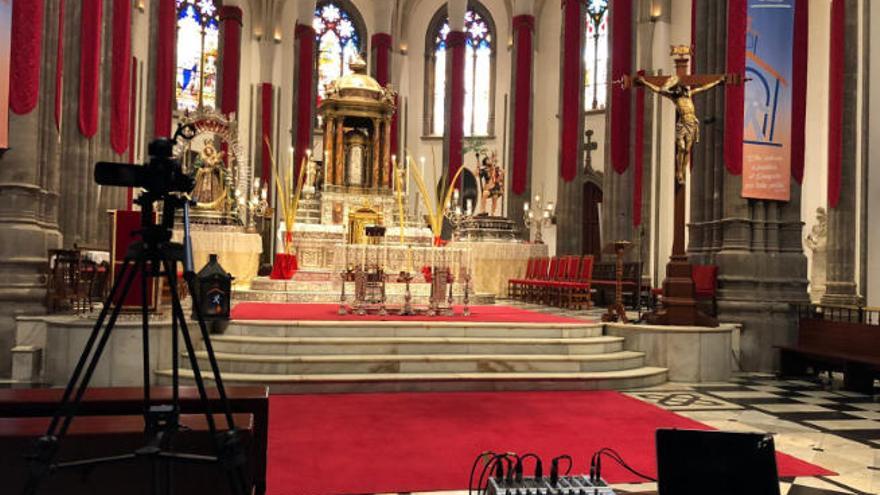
x=495 y=262
x=237 y=251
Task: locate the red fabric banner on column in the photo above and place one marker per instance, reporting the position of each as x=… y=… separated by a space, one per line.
x=165 y=46
x=90 y=66
x=799 y=88
x=572 y=88
x=120 y=86
x=231 y=17
x=25 y=55
x=523 y=26
x=639 y=165
x=266 y=99
x=737 y=15
x=305 y=39
x=835 y=100
x=132 y=124
x=455 y=41
x=59 y=66
x=381 y=43
x=621 y=65
x=693 y=29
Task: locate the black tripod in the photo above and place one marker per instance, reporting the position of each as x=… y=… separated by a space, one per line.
x=152 y=257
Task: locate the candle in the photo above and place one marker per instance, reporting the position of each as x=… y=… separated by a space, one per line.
x=469 y=205
x=526 y=206
x=537 y=198
x=455 y=194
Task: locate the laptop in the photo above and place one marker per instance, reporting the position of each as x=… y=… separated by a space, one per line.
x=695 y=462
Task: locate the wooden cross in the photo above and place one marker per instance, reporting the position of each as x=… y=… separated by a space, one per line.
x=679 y=305
x=589 y=147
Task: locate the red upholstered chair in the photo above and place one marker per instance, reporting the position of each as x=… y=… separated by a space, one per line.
x=514 y=285
x=559 y=287
x=547 y=287
x=578 y=293
x=706 y=285
x=534 y=291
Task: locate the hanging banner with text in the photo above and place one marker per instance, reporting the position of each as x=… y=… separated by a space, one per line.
x=768 y=99
x=5 y=42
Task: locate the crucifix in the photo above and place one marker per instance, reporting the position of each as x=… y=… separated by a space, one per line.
x=679 y=306
x=589 y=147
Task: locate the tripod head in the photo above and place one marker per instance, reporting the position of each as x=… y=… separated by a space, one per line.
x=162 y=179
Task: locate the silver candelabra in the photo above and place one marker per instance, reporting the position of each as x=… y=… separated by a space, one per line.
x=537 y=215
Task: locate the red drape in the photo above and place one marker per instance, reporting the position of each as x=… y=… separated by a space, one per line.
x=639 y=155
x=523 y=26
x=266 y=94
x=25 y=55
x=90 y=66
x=165 y=45
x=572 y=88
x=455 y=42
x=621 y=65
x=381 y=43
x=799 y=89
x=231 y=55
x=835 y=100
x=59 y=66
x=120 y=85
x=693 y=27
x=305 y=38
x=735 y=94
x=132 y=119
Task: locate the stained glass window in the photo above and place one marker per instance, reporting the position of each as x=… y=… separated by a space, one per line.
x=338 y=43
x=198 y=42
x=596 y=55
x=477 y=75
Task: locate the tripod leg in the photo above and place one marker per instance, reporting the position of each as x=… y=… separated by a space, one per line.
x=93 y=337
x=236 y=476
x=145 y=334
x=102 y=343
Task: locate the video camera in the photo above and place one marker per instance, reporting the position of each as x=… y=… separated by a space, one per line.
x=161 y=176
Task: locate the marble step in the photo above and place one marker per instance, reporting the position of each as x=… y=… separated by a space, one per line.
x=355 y=328
x=248 y=344
x=423 y=363
x=438 y=382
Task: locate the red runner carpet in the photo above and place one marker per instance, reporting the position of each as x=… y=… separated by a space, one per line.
x=381 y=443
x=328 y=312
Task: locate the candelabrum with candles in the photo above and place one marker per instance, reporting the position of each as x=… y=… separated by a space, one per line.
x=258 y=206
x=537 y=215
x=454 y=214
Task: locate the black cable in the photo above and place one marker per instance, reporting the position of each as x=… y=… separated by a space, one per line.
x=596 y=465
x=477 y=460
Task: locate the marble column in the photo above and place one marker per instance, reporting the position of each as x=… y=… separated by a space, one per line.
x=841 y=265
x=519 y=169
x=29 y=182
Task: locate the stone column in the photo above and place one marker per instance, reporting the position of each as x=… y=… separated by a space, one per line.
x=29 y=192
x=756 y=244
x=569 y=193
x=304 y=77
x=522 y=57
x=841 y=284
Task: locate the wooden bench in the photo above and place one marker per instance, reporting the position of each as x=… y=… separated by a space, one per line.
x=853 y=348
x=96 y=436
x=605 y=282
x=127 y=401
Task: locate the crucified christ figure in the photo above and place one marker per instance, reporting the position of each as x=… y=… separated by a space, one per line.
x=687 y=125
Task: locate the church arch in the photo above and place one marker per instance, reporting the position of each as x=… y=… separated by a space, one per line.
x=480 y=69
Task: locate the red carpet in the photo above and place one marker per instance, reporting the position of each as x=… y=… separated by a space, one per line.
x=380 y=443
x=327 y=312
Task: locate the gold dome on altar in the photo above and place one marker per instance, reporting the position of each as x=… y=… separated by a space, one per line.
x=358 y=80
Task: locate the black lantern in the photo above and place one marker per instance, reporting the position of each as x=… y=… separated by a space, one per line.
x=215 y=291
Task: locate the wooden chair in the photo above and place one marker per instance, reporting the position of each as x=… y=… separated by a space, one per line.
x=514 y=285
x=533 y=287
x=577 y=294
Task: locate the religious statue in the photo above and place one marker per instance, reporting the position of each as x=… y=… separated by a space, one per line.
x=210 y=188
x=492 y=183
x=687 y=125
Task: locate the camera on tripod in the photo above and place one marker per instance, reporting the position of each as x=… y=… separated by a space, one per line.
x=161 y=176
